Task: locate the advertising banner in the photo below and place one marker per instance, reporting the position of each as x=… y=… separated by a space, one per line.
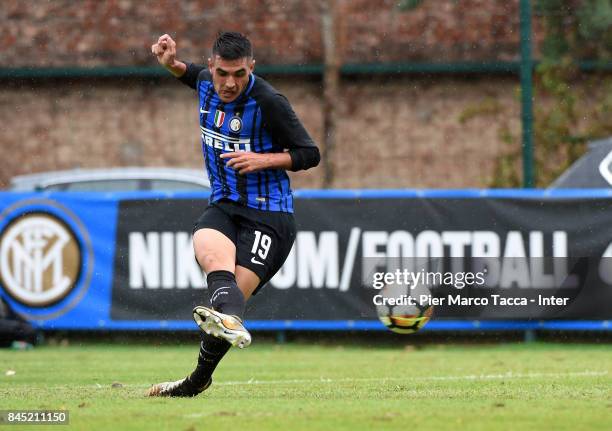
x=126 y=261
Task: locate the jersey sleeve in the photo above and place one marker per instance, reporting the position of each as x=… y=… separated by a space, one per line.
x=288 y=132
x=193 y=74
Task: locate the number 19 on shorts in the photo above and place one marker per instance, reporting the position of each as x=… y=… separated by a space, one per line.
x=261 y=245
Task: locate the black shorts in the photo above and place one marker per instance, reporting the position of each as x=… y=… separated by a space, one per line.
x=263 y=239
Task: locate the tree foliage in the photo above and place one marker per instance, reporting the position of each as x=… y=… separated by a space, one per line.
x=571 y=106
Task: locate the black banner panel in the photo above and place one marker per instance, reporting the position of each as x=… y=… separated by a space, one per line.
x=356 y=259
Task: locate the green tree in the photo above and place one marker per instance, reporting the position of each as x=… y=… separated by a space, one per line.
x=563 y=122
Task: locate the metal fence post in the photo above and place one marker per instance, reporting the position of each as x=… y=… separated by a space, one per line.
x=527 y=94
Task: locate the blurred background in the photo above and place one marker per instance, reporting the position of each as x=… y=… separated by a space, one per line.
x=409 y=93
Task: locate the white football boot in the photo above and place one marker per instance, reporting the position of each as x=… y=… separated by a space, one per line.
x=223 y=326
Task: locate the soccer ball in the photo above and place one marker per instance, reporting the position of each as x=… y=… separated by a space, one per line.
x=404 y=318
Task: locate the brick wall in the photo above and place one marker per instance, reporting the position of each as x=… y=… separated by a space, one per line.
x=120 y=32
x=391 y=133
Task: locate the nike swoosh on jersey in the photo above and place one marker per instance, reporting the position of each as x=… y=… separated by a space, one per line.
x=256 y=261
x=203 y=111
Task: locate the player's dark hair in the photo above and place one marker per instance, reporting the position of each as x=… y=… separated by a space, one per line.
x=231 y=45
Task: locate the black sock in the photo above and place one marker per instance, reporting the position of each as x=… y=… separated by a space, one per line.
x=212 y=350
x=225 y=296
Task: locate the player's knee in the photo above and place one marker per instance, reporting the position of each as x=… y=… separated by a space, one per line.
x=213 y=261
x=207 y=260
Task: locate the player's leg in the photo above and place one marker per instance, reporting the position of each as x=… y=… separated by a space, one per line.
x=213 y=348
x=215 y=251
x=263 y=242
x=247 y=281
x=216 y=254
x=262 y=246
x=224 y=318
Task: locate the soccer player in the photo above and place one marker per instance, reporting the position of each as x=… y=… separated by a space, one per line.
x=250 y=138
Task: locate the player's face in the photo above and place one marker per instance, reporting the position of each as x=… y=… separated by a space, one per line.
x=230 y=77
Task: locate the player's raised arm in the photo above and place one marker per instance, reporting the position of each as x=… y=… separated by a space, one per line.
x=165 y=51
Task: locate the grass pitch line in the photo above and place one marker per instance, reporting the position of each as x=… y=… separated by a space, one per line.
x=506 y=375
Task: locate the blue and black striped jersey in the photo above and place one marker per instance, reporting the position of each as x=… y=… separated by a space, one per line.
x=259 y=120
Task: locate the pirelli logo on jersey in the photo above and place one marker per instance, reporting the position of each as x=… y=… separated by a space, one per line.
x=224 y=142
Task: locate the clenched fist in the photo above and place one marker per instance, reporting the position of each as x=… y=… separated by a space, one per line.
x=165 y=51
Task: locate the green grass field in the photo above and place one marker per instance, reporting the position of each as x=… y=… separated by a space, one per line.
x=310 y=387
